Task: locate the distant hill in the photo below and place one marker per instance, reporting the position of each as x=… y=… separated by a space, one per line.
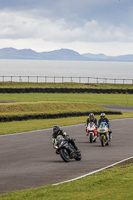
x=102 y=57
x=61 y=54
x=97 y=57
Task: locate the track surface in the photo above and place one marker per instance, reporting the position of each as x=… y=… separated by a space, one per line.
x=28 y=160
x=119 y=108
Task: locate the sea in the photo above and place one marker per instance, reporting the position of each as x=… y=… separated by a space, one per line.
x=65 y=71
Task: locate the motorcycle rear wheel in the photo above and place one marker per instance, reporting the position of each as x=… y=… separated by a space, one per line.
x=102 y=141
x=64 y=154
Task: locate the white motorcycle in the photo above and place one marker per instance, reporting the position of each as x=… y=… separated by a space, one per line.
x=91 y=128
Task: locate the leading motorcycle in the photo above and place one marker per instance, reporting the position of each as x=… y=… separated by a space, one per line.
x=66 y=149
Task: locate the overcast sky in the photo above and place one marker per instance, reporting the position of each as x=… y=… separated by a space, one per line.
x=86 y=26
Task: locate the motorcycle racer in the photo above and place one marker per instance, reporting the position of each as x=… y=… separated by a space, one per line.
x=104 y=119
x=94 y=120
x=57 y=131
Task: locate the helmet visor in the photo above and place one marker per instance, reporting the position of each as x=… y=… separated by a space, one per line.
x=55 y=130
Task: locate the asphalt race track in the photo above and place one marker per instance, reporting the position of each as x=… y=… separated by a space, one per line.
x=28 y=160
x=119 y=108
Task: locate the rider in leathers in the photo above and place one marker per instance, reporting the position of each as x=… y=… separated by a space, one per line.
x=104 y=119
x=92 y=119
x=57 y=131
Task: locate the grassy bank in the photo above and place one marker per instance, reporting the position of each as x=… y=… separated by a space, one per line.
x=107 y=99
x=23 y=108
x=64 y=85
x=110 y=184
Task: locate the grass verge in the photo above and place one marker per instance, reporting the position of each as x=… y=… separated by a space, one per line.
x=105 y=99
x=65 y=85
x=110 y=184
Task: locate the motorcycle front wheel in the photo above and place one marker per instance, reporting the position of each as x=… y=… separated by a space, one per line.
x=64 y=154
x=78 y=157
x=91 y=138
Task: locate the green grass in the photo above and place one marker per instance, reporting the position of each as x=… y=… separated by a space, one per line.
x=23 y=108
x=113 y=183
x=107 y=99
x=29 y=125
x=64 y=85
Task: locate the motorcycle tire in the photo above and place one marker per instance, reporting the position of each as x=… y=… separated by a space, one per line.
x=91 y=138
x=78 y=157
x=102 y=141
x=64 y=154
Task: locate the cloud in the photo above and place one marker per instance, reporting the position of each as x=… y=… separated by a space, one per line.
x=114 y=11
x=26 y=25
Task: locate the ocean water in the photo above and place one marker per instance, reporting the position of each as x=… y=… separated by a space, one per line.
x=96 y=69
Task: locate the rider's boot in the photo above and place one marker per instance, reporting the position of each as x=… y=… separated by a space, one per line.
x=94 y=138
x=110 y=135
x=57 y=151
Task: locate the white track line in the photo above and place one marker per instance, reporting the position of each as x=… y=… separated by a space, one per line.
x=94 y=171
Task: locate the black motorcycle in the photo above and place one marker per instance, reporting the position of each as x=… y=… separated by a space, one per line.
x=66 y=150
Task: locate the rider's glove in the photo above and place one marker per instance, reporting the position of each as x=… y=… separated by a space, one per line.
x=71 y=140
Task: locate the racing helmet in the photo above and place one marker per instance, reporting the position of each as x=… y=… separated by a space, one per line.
x=56 y=129
x=91 y=116
x=102 y=115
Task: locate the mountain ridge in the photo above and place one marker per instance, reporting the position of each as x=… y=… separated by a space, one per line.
x=60 y=54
